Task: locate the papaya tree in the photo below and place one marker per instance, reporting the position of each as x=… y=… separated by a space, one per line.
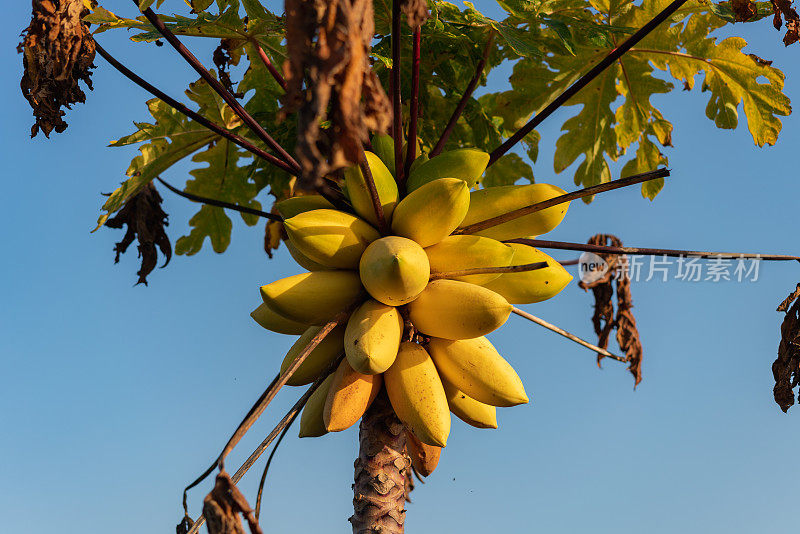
x=399 y=188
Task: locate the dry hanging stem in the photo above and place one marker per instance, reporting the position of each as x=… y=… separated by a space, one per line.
x=328 y=76
x=786 y=368
x=58 y=51
x=603 y=318
x=287 y=419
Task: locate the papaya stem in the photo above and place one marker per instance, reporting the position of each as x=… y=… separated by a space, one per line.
x=601 y=249
x=571 y=337
x=379 y=491
x=584 y=80
x=561 y=199
x=270 y=67
x=180 y=108
x=369 y=180
x=220 y=89
x=491 y=270
x=397 y=110
x=280 y=427
x=220 y=203
x=413 y=115
x=462 y=104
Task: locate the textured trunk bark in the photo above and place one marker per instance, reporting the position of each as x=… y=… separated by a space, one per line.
x=381 y=470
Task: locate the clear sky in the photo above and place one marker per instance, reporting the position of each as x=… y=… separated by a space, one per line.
x=114 y=397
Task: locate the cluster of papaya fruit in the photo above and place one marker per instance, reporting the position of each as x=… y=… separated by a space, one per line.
x=416 y=321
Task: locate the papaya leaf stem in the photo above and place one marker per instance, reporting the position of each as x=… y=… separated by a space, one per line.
x=369 y=180
x=571 y=337
x=567 y=197
x=220 y=89
x=413 y=115
x=263 y=481
x=675 y=253
x=462 y=104
x=270 y=393
x=397 y=110
x=280 y=427
x=261 y=404
x=584 y=80
x=491 y=270
x=220 y=203
x=203 y=121
x=270 y=67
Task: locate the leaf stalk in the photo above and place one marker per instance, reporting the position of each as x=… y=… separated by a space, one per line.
x=584 y=80
x=561 y=199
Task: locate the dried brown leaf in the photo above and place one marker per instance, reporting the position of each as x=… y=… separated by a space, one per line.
x=786 y=368
x=185 y=525
x=222 y=507
x=416 y=12
x=329 y=80
x=273 y=235
x=146 y=222
x=604 y=319
x=743 y=10
x=783 y=8
x=223 y=60
x=58 y=51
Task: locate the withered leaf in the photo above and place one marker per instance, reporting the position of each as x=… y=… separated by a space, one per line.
x=223 y=505
x=786 y=368
x=329 y=80
x=223 y=60
x=416 y=12
x=273 y=235
x=146 y=222
x=783 y=8
x=58 y=51
x=743 y=10
x=185 y=525
x=604 y=319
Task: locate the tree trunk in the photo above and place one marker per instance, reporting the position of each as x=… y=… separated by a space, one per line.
x=379 y=491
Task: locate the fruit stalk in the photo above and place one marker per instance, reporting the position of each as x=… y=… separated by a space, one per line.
x=380 y=472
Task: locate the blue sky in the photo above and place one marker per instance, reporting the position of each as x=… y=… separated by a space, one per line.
x=114 y=396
